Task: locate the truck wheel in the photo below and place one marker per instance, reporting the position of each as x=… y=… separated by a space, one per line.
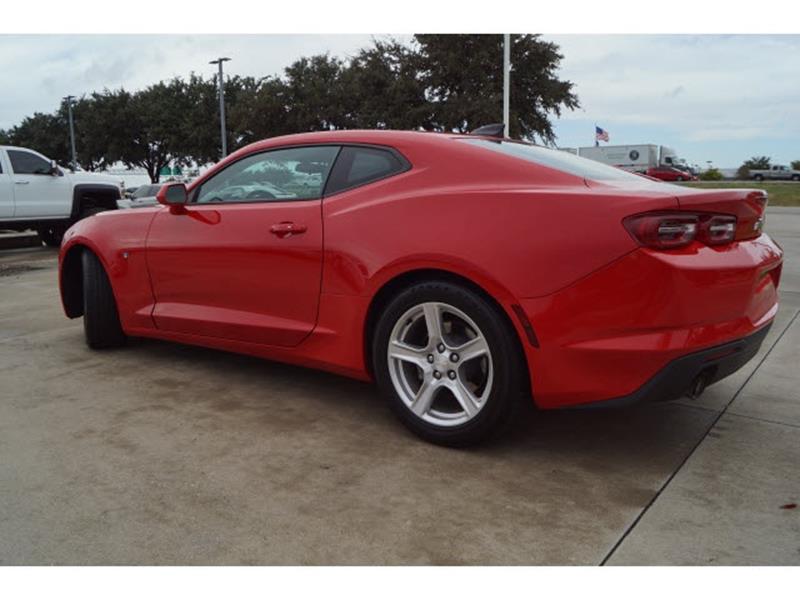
x=51 y=235
x=100 y=317
x=759 y=177
x=795 y=177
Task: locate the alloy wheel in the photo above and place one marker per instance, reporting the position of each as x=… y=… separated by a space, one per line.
x=440 y=364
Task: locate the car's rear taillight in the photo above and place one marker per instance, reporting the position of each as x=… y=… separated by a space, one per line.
x=666 y=231
x=717 y=229
x=662 y=231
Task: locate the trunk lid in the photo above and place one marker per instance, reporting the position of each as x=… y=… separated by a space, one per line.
x=747 y=205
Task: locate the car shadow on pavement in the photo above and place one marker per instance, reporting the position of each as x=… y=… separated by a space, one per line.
x=644 y=433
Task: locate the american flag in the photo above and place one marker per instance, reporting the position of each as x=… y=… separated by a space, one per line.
x=600 y=134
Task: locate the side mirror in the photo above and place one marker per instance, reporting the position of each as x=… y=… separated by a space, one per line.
x=54 y=170
x=173 y=194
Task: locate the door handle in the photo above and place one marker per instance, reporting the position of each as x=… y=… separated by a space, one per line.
x=22 y=182
x=287 y=229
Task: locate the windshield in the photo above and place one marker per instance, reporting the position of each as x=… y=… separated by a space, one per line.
x=556 y=159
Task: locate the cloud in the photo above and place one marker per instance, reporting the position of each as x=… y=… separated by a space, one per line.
x=693 y=88
x=674 y=92
x=691 y=91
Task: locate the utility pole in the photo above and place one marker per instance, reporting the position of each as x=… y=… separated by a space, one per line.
x=506 y=81
x=68 y=100
x=219 y=62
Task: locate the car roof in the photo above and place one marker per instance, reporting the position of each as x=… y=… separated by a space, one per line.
x=388 y=137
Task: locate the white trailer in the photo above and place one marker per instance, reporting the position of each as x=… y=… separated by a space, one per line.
x=637 y=157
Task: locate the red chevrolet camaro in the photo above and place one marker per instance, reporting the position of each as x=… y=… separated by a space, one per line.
x=462 y=273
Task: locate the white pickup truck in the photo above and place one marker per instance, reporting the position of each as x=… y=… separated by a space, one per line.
x=35 y=193
x=775 y=172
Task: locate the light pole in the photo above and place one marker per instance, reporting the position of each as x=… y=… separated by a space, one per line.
x=219 y=62
x=506 y=81
x=68 y=100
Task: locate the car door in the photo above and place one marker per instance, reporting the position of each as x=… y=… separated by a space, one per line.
x=37 y=191
x=6 y=190
x=243 y=261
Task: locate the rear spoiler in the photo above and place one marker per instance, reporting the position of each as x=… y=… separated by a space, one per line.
x=493 y=130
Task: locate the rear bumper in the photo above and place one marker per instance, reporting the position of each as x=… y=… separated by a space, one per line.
x=682 y=376
x=611 y=333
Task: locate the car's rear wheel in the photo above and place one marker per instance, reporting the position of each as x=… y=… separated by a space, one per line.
x=100 y=316
x=448 y=363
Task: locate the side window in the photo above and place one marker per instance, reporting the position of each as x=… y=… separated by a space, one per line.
x=25 y=163
x=358 y=165
x=291 y=174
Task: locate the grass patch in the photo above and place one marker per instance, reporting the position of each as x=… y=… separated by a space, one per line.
x=781 y=193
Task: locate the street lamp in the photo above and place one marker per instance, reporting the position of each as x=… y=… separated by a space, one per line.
x=68 y=100
x=219 y=62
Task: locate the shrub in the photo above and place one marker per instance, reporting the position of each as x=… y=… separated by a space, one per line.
x=712 y=174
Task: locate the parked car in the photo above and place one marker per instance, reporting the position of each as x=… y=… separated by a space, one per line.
x=129 y=191
x=775 y=172
x=144 y=195
x=36 y=193
x=462 y=273
x=670 y=174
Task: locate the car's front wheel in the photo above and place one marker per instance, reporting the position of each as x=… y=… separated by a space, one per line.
x=449 y=363
x=100 y=317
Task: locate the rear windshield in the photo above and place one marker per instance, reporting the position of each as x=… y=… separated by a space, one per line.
x=556 y=159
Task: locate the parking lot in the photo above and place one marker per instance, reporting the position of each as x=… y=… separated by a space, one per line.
x=164 y=454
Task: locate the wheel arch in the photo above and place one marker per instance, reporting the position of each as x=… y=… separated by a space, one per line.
x=91 y=195
x=405 y=279
x=70 y=277
x=71 y=280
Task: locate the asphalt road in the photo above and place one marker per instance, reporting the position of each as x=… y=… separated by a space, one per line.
x=164 y=454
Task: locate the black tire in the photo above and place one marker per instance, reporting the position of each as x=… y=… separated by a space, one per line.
x=509 y=372
x=759 y=178
x=795 y=177
x=52 y=235
x=100 y=317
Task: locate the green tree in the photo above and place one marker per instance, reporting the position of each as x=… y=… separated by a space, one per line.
x=5 y=138
x=260 y=110
x=463 y=76
x=795 y=164
x=383 y=91
x=151 y=127
x=99 y=135
x=315 y=97
x=198 y=125
x=712 y=174
x=756 y=162
x=45 y=133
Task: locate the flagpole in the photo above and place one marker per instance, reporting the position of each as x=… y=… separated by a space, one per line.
x=506 y=82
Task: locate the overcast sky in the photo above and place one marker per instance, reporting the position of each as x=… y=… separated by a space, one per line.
x=718 y=98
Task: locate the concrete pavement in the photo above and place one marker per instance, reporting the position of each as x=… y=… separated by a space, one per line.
x=164 y=454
